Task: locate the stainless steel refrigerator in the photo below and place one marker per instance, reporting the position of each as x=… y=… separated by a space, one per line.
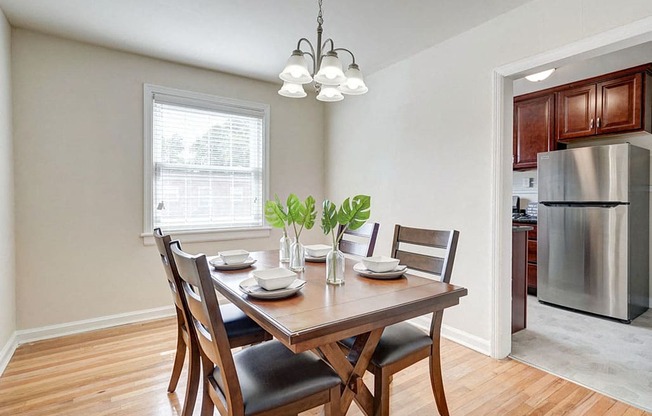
x=593 y=229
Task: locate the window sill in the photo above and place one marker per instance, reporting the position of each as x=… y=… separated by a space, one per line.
x=212 y=235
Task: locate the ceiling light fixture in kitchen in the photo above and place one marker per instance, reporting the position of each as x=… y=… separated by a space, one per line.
x=540 y=76
x=330 y=81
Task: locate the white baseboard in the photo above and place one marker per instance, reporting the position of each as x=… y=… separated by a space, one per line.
x=53 y=331
x=7 y=352
x=463 y=338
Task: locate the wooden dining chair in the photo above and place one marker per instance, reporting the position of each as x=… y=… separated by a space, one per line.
x=403 y=344
x=241 y=329
x=264 y=379
x=360 y=242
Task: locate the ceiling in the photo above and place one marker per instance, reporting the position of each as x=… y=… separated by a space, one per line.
x=254 y=38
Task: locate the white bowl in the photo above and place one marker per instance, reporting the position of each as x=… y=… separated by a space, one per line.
x=380 y=264
x=274 y=279
x=233 y=256
x=318 y=250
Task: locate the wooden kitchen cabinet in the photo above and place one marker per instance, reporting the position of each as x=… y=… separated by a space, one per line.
x=530 y=257
x=533 y=128
x=519 y=278
x=613 y=103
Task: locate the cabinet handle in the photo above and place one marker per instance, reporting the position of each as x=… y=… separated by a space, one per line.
x=598 y=122
x=591 y=124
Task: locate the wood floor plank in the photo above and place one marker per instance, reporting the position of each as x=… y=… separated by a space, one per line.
x=125 y=371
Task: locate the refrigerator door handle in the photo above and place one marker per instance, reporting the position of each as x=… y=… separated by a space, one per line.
x=571 y=204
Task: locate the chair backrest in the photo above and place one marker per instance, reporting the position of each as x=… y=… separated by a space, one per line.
x=204 y=310
x=446 y=240
x=163 y=245
x=360 y=242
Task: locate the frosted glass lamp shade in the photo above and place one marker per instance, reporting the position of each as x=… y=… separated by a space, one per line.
x=354 y=84
x=292 y=90
x=330 y=70
x=296 y=69
x=540 y=76
x=329 y=93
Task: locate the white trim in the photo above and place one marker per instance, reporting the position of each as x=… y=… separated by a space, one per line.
x=213 y=101
x=207 y=236
x=7 y=352
x=632 y=34
x=453 y=334
x=53 y=331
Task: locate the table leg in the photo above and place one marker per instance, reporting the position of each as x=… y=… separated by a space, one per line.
x=351 y=372
x=436 y=380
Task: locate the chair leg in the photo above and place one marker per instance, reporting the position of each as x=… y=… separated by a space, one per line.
x=332 y=408
x=381 y=392
x=179 y=357
x=194 y=377
x=207 y=405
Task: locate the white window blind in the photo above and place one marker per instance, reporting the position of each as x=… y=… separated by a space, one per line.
x=208 y=164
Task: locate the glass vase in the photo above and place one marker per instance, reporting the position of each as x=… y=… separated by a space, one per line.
x=284 y=249
x=335 y=266
x=297 y=256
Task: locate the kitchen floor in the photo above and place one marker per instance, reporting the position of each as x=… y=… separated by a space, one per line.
x=604 y=355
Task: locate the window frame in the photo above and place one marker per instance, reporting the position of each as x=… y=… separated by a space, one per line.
x=207 y=101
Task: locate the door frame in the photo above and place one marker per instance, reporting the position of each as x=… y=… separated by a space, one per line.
x=622 y=37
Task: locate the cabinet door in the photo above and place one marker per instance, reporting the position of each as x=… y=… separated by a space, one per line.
x=576 y=112
x=533 y=129
x=619 y=104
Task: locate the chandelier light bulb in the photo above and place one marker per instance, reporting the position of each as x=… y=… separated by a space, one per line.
x=292 y=90
x=354 y=84
x=329 y=93
x=330 y=70
x=296 y=69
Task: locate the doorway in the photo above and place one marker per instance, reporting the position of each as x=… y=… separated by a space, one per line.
x=506 y=86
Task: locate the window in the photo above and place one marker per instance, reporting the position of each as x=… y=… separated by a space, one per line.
x=205 y=162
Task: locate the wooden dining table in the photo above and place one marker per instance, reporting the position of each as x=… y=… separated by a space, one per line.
x=320 y=314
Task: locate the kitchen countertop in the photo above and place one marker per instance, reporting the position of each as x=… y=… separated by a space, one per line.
x=520 y=228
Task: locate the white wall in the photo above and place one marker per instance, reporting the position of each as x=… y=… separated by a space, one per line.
x=7 y=271
x=78 y=136
x=420 y=142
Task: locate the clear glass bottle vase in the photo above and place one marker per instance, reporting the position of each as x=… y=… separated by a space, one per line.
x=284 y=248
x=335 y=266
x=297 y=256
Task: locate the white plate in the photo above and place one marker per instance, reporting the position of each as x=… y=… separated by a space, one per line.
x=363 y=271
x=219 y=264
x=251 y=288
x=316 y=259
x=317 y=250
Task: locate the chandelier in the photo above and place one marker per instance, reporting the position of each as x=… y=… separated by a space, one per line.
x=330 y=81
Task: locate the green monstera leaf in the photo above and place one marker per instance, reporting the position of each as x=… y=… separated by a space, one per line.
x=329 y=217
x=302 y=214
x=352 y=214
x=355 y=212
x=311 y=213
x=275 y=213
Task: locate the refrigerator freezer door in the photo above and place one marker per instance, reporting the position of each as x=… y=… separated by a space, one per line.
x=596 y=173
x=583 y=258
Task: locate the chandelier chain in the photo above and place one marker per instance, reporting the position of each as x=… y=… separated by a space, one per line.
x=320 y=16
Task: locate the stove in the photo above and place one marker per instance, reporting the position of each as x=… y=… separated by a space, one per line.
x=524 y=218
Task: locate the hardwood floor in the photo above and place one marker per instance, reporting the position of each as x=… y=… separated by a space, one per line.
x=125 y=371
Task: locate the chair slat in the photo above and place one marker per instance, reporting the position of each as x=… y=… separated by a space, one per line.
x=368 y=233
x=429 y=238
x=421 y=262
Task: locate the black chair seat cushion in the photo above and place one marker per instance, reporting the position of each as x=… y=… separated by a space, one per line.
x=238 y=324
x=270 y=376
x=398 y=341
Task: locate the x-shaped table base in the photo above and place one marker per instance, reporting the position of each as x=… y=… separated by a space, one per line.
x=351 y=369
